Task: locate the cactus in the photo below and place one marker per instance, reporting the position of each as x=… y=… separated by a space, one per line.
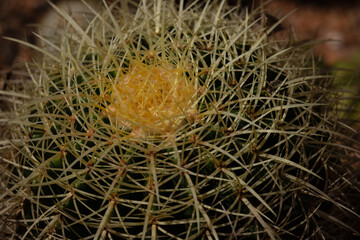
x=174 y=121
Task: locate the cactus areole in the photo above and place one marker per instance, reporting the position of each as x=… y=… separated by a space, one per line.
x=173 y=121
x=152 y=98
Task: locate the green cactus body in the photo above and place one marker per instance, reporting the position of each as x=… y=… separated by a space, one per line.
x=174 y=122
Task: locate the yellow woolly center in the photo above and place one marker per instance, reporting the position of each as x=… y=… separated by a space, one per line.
x=152 y=98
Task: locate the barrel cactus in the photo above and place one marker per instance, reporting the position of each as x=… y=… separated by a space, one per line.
x=171 y=121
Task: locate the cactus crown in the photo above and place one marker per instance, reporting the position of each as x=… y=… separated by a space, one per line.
x=154 y=97
x=173 y=122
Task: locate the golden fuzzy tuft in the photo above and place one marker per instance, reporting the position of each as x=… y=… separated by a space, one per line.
x=152 y=98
